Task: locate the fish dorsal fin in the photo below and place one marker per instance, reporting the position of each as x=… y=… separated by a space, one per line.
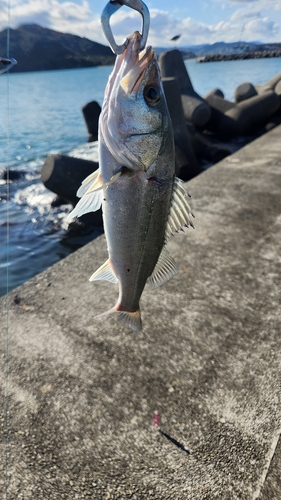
x=180 y=211
x=164 y=270
x=104 y=272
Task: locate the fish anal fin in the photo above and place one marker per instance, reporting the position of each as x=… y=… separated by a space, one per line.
x=180 y=215
x=104 y=272
x=165 y=269
x=131 y=318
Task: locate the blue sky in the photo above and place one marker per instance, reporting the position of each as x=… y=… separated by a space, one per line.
x=198 y=21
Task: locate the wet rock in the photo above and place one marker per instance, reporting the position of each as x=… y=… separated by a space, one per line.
x=12 y=175
x=58 y=201
x=195 y=109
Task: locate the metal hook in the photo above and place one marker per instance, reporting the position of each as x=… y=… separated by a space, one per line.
x=111 y=8
x=6 y=64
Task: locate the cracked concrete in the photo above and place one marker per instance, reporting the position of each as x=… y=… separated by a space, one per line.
x=83 y=392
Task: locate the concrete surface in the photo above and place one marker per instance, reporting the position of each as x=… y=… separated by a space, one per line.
x=82 y=392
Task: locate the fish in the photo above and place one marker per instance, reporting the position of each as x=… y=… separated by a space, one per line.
x=143 y=202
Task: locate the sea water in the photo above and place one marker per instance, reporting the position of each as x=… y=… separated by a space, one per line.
x=40 y=115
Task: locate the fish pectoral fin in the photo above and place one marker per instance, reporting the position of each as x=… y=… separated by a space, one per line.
x=164 y=270
x=130 y=318
x=180 y=215
x=98 y=185
x=91 y=192
x=88 y=182
x=104 y=272
x=88 y=203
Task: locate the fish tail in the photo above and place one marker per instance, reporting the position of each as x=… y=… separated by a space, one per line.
x=130 y=318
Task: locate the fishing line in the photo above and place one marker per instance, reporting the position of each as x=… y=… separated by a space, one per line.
x=7 y=415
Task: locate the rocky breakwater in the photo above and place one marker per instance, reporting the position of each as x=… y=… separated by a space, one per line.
x=255 y=110
x=257 y=54
x=206 y=129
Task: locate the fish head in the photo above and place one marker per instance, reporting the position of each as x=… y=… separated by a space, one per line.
x=135 y=119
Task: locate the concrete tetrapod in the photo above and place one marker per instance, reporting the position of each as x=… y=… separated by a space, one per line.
x=218 y=106
x=186 y=163
x=63 y=175
x=277 y=88
x=270 y=85
x=91 y=112
x=214 y=91
x=244 y=91
x=196 y=110
x=244 y=118
x=247 y=116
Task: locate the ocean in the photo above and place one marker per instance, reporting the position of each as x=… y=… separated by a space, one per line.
x=40 y=115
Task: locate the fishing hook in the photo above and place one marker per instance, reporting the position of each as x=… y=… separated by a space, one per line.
x=111 y=8
x=6 y=64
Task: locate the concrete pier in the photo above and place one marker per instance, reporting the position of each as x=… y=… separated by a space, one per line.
x=82 y=392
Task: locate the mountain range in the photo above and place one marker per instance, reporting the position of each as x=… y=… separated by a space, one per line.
x=37 y=48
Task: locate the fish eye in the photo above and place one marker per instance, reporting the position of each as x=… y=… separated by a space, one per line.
x=152 y=94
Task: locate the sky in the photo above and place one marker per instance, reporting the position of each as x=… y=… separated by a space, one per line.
x=198 y=21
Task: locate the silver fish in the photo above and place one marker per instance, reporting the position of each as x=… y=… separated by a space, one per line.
x=143 y=203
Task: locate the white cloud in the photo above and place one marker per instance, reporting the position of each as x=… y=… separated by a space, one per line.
x=262 y=28
x=51 y=11
x=255 y=28
x=77 y=18
x=255 y=25
x=259 y=4
x=244 y=15
x=164 y=26
x=65 y=16
x=242 y=1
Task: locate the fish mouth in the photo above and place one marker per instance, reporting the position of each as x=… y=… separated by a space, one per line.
x=138 y=63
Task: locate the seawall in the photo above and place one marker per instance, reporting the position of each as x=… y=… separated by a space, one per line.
x=82 y=392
